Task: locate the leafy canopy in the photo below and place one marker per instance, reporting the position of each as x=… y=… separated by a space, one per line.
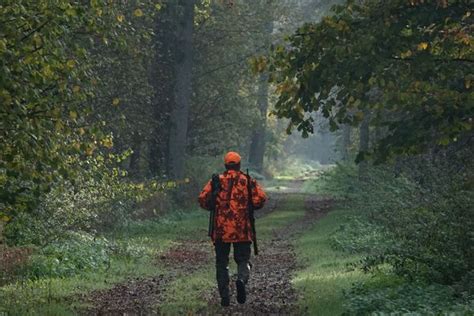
x=407 y=64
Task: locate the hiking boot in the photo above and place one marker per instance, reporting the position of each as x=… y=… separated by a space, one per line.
x=241 y=295
x=225 y=301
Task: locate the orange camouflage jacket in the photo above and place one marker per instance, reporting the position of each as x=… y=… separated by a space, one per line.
x=232 y=223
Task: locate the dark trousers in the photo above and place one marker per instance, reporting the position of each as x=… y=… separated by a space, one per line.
x=241 y=257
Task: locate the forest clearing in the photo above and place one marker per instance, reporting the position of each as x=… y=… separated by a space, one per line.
x=234 y=157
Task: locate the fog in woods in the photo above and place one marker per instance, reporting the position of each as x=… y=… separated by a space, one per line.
x=139 y=139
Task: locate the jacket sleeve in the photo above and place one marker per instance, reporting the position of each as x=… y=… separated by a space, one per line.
x=205 y=196
x=258 y=195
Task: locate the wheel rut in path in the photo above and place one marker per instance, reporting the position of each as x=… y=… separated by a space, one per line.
x=270 y=291
x=143 y=296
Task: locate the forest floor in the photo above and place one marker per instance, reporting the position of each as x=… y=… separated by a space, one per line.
x=167 y=266
x=270 y=291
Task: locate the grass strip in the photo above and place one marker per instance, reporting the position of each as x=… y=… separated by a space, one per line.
x=327 y=272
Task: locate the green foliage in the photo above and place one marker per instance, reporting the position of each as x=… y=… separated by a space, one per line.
x=52 y=80
x=360 y=236
x=397 y=297
x=412 y=224
x=76 y=254
x=407 y=64
x=97 y=200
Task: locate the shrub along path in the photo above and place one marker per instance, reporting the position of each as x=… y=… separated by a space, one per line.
x=287 y=214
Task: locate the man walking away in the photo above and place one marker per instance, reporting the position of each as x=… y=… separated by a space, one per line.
x=231 y=198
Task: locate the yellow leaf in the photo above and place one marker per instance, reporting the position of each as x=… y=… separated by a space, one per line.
x=58 y=125
x=3 y=45
x=5 y=218
x=73 y=115
x=70 y=63
x=422 y=46
x=71 y=12
x=186 y=180
x=76 y=145
x=359 y=116
x=406 y=54
x=158 y=6
x=81 y=131
x=76 y=89
x=47 y=72
x=116 y=101
x=444 y=141
x=107 y=142
x=98 y=12
x=120 y=18
x=138 y=13
x=90 y=150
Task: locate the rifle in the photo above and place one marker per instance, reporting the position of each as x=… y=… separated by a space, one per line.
x=251 y=213
x=215 y=187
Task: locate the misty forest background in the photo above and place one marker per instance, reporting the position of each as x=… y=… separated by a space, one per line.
x=115 y=113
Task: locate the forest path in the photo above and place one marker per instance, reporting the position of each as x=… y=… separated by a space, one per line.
x=269 y=291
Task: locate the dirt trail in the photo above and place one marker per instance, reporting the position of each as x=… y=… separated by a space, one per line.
x=269 y=292
x=140 y=296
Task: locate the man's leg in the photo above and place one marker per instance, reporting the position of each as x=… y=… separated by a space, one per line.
x=222 y=270
x=242 y=257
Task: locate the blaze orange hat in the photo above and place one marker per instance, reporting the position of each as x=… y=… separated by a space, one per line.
x=231 y=157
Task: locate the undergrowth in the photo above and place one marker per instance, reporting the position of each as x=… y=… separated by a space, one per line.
x=81 y=263
x=412 y=230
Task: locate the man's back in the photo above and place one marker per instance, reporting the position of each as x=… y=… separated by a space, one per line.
x=232 y=222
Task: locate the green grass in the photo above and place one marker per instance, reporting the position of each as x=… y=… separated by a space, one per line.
x=185 y=294
x=140 y=242
x=291 y=210
x=327 y=272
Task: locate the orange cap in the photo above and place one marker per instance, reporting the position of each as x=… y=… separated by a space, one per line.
x=231 y=157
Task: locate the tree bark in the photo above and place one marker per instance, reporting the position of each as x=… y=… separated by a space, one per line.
x=162 y=78
x=257 y=145
x=364 y=136
x=182 y=90
x=134 y=167
x=346 y=141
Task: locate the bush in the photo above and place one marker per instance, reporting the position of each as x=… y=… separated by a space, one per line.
x=360 y=236
x=401 y=298
x=423 y=228
x=79 y=252
x=98 y=199
x=414 y=220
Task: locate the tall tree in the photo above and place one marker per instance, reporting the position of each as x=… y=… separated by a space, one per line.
x=183 y=88
x=257 y=145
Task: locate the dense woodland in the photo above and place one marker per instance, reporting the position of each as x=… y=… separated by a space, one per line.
x=115 y=113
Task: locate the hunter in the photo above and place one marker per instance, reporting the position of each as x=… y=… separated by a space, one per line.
x=231 y=198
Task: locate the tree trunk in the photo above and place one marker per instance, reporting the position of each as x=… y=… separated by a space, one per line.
x=134 y=167
x=162 y=78
x=346 y=141
x=364 y=145
x=257 y=145
x=182 y=90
